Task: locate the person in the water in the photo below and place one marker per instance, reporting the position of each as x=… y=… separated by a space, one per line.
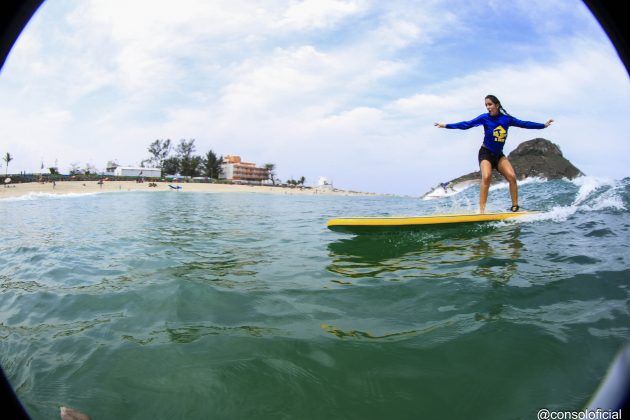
x=495 y=124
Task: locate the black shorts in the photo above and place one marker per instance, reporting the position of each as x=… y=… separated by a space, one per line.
x=486 y=154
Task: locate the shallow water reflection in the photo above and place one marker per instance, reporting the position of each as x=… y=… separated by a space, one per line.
x=481 y=251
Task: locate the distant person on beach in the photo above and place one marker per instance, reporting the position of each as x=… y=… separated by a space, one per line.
x=495 y=124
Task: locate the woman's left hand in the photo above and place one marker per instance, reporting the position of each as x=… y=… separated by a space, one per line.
x=548 y=123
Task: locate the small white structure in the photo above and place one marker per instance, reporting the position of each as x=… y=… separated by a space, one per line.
x=137 y=171
x=110 y=168
x=324 y=184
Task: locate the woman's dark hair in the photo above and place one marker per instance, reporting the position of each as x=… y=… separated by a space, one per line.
x=497 y=102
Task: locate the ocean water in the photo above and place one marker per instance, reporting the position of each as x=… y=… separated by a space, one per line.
x=244 y=306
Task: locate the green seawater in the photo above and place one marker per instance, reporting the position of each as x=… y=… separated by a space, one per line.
x=244 y=306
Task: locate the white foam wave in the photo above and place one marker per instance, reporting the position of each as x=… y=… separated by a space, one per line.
x=440 y=192
x=32 y=196
x=505 y=185
x=594 y=194
x=556 y=214
x=606 y=202
x=588 y=185
x=598 y=194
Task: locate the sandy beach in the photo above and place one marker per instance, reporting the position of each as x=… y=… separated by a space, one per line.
x=85 y=187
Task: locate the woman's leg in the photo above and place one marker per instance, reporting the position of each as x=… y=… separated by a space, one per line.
x=505 y=168
x=486 y=173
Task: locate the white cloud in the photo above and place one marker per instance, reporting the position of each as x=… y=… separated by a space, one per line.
x=286 y=74
x=313 y=14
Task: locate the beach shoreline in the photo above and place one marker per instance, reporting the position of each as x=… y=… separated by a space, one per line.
x=91 y=187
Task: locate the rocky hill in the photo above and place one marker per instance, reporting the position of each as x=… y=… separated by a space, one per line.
x=537 y=158
x=533 y=158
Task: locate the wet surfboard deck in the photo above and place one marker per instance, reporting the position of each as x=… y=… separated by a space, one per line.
x=387 y=223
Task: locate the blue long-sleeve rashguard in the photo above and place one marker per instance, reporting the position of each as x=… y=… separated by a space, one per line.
x=495 y=129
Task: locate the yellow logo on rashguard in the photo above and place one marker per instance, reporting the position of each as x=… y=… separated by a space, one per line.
x=499 y=134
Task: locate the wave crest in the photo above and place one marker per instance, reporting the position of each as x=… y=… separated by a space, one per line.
x=32 y=196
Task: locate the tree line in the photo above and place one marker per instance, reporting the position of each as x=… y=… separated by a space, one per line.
x=183 y=161
x=180 y=159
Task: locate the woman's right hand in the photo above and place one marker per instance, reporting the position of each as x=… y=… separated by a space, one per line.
x=439 y=125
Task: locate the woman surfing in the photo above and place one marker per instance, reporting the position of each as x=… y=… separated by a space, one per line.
x=495 y=124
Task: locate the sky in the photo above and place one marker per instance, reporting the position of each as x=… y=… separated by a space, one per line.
x=344 y=89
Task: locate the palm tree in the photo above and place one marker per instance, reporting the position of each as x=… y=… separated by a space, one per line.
x=7 y=158
x=271 y=167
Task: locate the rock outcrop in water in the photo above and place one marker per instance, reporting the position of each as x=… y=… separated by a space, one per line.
x=537 y=158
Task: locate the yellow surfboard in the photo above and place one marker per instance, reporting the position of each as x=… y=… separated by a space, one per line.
x=376 y=224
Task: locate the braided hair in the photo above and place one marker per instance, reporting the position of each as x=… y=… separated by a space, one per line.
x=497 y=102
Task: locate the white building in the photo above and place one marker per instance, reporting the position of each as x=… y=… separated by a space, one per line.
x=323 y=183
x=137 y=171
x=110 y=168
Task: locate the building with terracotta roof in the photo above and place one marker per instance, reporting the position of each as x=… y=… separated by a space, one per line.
x=238 y=171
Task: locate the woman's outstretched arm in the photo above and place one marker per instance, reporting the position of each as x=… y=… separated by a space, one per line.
x=464 y=125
